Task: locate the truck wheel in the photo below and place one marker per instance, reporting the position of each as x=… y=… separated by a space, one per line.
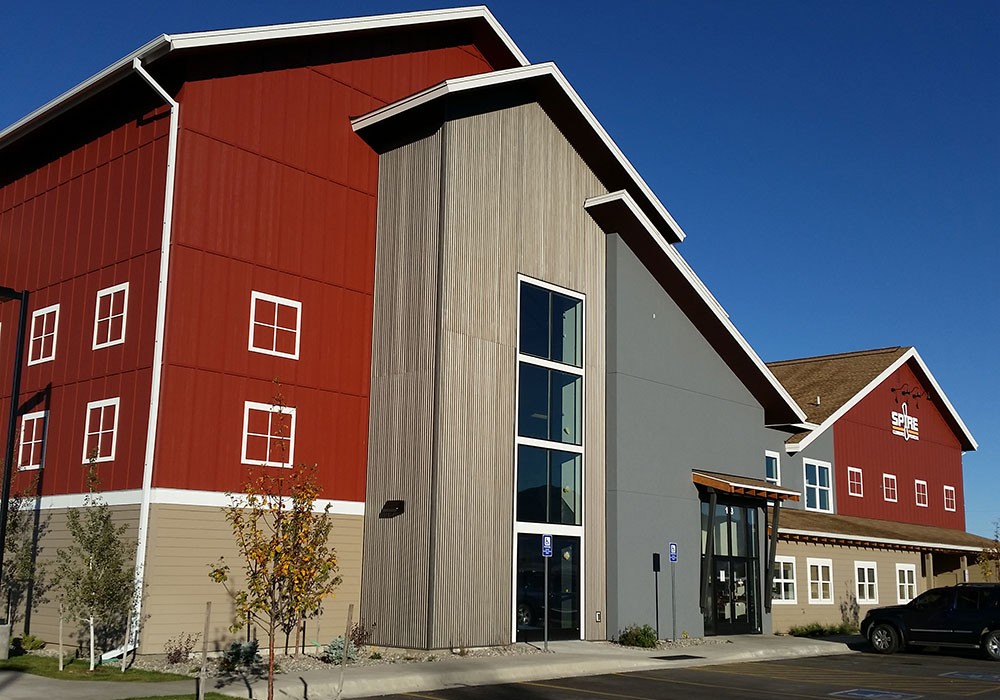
x=884 y=638
x=991 y=644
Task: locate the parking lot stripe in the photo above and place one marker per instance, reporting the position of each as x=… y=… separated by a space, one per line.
x=584 y=690
x=767 y=691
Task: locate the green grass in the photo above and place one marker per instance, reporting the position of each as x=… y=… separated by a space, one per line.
x=815 y=629
x=78 y=670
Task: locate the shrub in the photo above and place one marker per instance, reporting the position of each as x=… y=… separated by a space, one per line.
x=636 y=636
x=816 y=629
x=29 y=642
x=239 y=656
x=361 y=634
x=178 y=649
x=334 y=651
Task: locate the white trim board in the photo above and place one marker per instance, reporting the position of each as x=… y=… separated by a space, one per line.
x=183 y=497
x=939 y=395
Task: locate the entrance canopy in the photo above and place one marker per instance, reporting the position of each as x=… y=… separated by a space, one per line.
x=743 y=486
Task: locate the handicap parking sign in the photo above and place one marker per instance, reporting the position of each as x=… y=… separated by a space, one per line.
x=546 y=545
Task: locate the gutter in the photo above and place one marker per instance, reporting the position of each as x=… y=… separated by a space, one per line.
x=161 y=315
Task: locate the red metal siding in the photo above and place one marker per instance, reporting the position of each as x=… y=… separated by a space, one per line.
x=75 y=219
x=276 y=194
x=863 y=438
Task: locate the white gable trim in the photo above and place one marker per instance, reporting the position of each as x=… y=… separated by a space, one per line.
x=939 y=396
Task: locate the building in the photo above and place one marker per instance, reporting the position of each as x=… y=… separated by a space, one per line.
x=880 y=468
x=392 y=247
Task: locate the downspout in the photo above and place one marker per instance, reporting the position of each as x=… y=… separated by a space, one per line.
x=161 y=316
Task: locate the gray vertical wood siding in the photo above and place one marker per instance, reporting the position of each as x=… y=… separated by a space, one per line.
x=511 y=201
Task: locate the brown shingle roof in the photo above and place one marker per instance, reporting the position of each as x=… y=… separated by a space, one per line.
x=857 y=530
x=834 y=378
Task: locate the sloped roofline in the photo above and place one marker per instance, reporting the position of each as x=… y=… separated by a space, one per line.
x=541 y=71
x=968 y=442
x=166 y=43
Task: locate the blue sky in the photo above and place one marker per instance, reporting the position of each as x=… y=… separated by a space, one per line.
x=836 y=165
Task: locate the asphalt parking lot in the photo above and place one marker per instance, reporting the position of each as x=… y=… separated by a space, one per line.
x=908 y=676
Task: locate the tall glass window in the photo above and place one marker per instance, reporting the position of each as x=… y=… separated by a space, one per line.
x=549 y=476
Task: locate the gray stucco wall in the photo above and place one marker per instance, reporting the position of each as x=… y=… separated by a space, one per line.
x=673 y=405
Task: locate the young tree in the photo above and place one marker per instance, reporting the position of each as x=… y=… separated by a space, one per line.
x=24 y=582
x=989 y=558
x=287 y=565
x=95 y=571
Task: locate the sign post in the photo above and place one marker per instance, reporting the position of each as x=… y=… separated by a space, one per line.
x=656 y=590
x=673 y=588
x=546 y=555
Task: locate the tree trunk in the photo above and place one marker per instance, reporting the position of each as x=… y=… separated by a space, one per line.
x=298 y=634
x=60 y=637
x=271 y=631
x=91 y=620
x=128 y=629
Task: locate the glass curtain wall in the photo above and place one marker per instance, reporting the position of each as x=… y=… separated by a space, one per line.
x=549 y=461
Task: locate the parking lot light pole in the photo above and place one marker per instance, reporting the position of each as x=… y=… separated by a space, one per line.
x=8 y=294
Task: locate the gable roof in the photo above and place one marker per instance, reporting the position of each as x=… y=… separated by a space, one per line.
x=838 y=382
x=478 y=16
x=631 y=210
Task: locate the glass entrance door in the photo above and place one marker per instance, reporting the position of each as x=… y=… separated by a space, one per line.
x=564 y=588
x=734 y=585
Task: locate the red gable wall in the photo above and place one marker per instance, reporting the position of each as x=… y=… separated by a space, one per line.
x=277 y=194
x=863 y=438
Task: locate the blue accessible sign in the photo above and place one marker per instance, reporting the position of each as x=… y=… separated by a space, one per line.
x=673 y=552
x=546 y=545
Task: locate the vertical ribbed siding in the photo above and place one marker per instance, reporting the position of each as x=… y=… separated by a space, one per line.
x=514 y=193
x=395 y=564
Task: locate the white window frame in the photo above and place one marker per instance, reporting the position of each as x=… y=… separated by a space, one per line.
x=895 y=488
x=912 y=568
x=917 y=483
x=110 y=291
x=529 y=528
x=297 y=305
x=103 y=403
x=54 y=308
x=828 y=563
x=954 y=499
x=861 y=587
x=777 y=467
x=861 y=482
x=270 y=409
x=819 y=464
x=36 y=415
x=782 y=559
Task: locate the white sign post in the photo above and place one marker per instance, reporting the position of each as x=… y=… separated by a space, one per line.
x=546 y=555
x=673 y=587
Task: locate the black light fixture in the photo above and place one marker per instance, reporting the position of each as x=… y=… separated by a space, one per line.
x=8 y=294
x=905 y=390
x=392 y=508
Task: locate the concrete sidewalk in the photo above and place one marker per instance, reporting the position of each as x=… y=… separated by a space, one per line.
x=565 y=659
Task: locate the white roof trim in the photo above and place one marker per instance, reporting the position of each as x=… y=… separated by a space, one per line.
x=876 y=540
x=166 y=43
x=689 y=274
x=731 y=482
x=472 y=82
x=910 y=354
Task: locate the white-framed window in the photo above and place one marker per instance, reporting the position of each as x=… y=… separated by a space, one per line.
x=855 y=482
x=820 y=581
x=889 y=487
x=949 y=498
x=109 y=316
x=783 y=586
x=101 y=434
x=906 y=583
x=819 y=489
x=268 y=434
x=275 y=323
x=866 y=582
x=920 y=491
x=31 y=453
x=44 y=324
x=772 y=467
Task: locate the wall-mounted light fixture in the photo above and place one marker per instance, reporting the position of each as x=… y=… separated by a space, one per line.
x=392 y=508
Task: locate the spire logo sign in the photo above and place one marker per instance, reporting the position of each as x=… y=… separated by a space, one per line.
x=905 y=425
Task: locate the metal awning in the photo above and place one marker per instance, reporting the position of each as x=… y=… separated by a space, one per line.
x=743 y=486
